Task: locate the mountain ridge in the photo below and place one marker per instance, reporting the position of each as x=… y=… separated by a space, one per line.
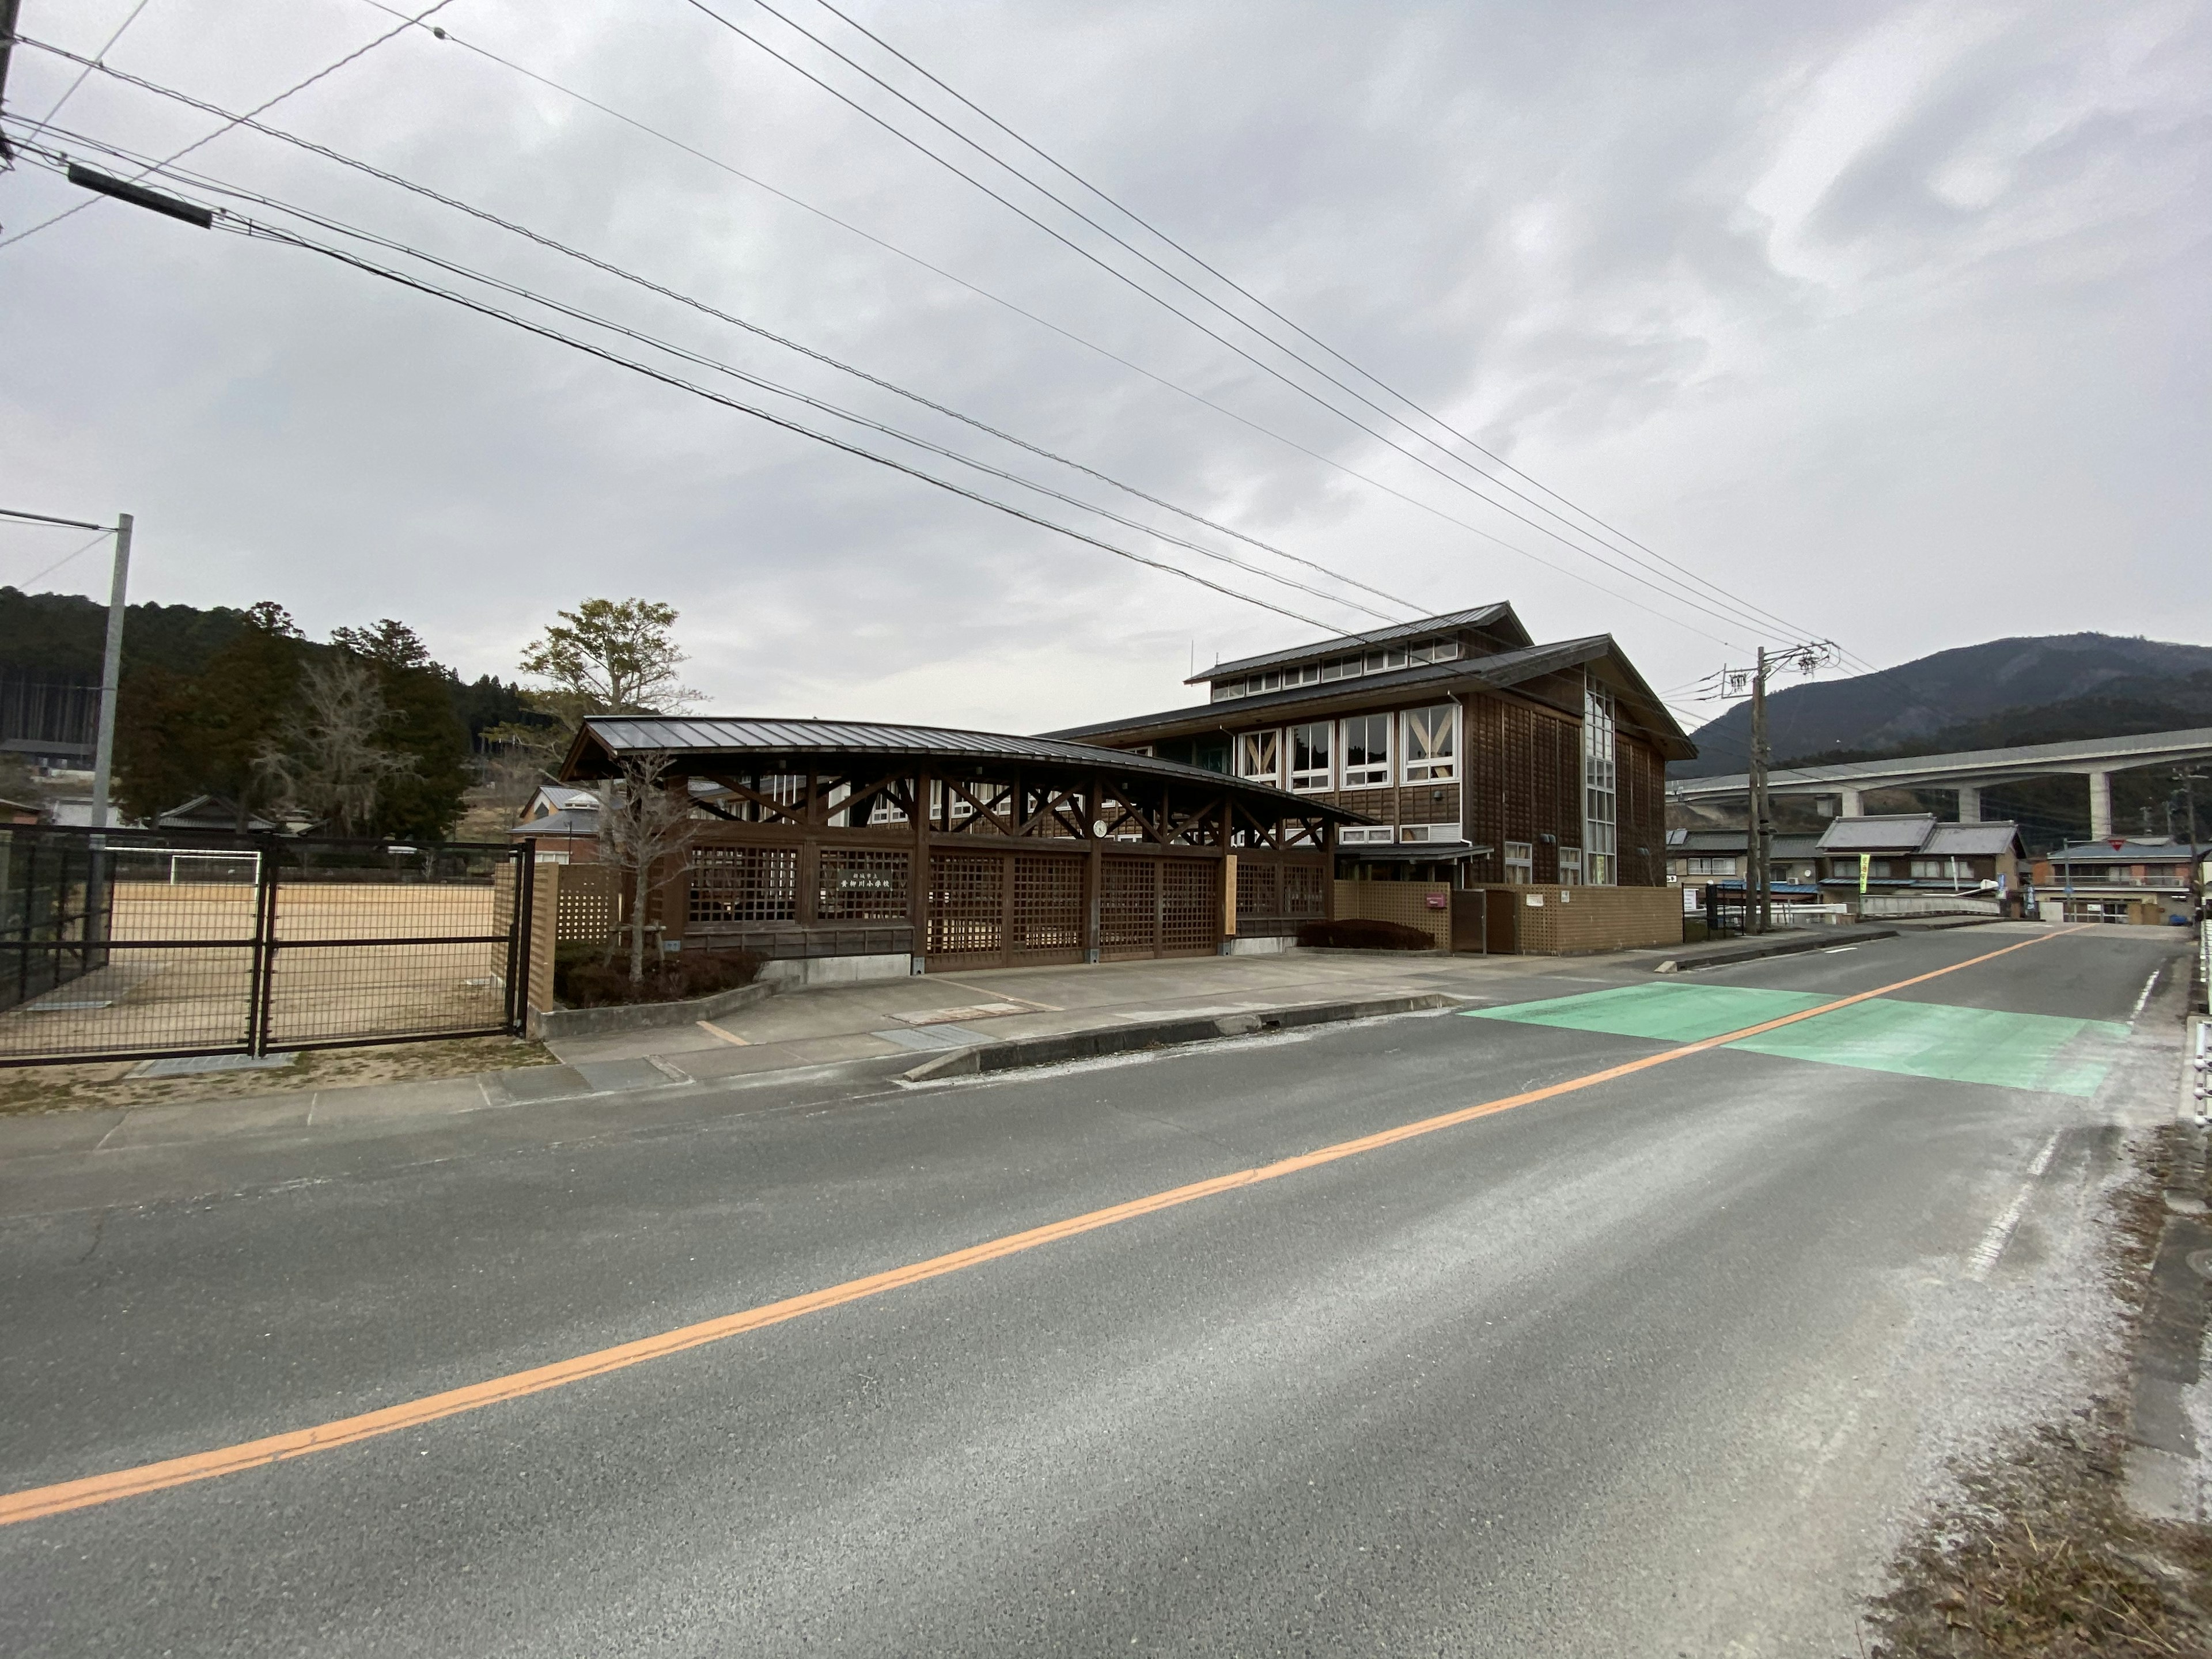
x=2021 y=690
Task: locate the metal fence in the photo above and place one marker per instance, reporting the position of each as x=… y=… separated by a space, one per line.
x=139 y=945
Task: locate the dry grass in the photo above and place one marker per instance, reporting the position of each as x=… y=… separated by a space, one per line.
x=81 y=1088
x=2040 y=1553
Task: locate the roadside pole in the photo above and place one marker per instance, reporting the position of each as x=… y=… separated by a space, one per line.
x=111 y=671
x=1759 y=845
x=103 y=763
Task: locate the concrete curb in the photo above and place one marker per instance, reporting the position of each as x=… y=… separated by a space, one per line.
x=1160 y=1034
x=1760 y=949
x=554 y=1023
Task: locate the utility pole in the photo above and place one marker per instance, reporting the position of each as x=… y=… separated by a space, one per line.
x=111 y=669
x=1759 y=843
x=1759 y=834
x=2188 y=780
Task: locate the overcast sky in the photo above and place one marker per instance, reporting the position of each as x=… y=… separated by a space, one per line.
x=1891 y=318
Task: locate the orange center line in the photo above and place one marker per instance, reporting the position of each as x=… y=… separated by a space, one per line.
x=35 y=1502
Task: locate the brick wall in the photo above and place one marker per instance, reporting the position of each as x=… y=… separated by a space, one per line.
x=1402 y=901
x=1574 y=921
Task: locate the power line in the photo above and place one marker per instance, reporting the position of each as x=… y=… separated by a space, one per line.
x=66 y=557
x=1733 y=611
x=257 y=110
x=70 y=91
x=760 y=382
x=1245 y=421
x=252 y=228
x=1239 y=289
x=628 y=276
x=1675 y=594
x=47 y=518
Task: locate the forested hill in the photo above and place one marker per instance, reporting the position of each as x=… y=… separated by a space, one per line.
x=59 y=638
x=2046 y=690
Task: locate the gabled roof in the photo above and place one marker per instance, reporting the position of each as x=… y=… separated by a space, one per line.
x=714 y=745
x=2163 y=850
x=1497 y=672
x=1889 y=832
x=1986 y=839
x=1483 y=615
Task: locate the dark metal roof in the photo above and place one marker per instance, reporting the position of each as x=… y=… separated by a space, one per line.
x=1504 y=669
x=2132 y=851
x=765 y=744
x=1482 y=616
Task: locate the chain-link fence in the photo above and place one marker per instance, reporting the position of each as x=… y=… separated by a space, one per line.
x=133 y=943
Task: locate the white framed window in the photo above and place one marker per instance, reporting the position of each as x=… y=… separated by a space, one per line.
x=1519 y=864
x=1431 y=744
x=1362 y=834
x=1310 y=752
x=1366 y=750
x=1708 y=867
x=1418 y=832
x=1927 y=869
x=1600 y=784
x=1259 y=755
x=1570 y=866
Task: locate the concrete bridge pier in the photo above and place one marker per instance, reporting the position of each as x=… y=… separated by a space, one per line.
x=1969 y=803
x=2100 y=807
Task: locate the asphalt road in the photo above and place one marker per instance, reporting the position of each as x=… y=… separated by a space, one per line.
x=1658 y=1365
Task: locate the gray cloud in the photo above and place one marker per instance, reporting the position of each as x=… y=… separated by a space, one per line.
x=1889 y=318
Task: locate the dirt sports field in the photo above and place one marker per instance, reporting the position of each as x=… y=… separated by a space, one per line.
x=181 y=967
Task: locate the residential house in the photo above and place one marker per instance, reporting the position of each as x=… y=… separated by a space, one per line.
x=2137 y=880
x=1905 y=855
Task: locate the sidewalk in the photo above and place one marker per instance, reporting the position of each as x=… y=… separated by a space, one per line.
x=871 y=1027
x=928 y=1014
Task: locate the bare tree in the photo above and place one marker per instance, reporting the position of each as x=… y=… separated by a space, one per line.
x=645 y=817
x=327 y=760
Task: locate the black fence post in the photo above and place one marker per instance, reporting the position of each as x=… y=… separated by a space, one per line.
x=518 y=942
x=264 y=949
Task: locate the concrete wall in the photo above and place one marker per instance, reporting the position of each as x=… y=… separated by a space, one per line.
x=1571 y=922
x=799 y=973
x=1401 y=902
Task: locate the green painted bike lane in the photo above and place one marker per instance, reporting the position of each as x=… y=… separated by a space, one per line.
x=2049 y=1053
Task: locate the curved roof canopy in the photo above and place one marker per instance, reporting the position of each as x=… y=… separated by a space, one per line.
x=712 y=745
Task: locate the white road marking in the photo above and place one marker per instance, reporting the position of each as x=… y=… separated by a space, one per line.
x=1836 y=949
x=1983 y=1261
x=2135 y=1013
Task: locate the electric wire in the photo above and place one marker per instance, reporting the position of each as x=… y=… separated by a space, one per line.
x=747 y=378
x=1199 y=399
x=1734 y=610
x=106 y=46
x=64 y=559
x=258 y=109
x=1239 y=289
x=239 y=224
x=1675 y=594
x=703 y=307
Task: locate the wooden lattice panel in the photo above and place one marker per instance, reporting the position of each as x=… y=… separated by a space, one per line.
x=862 y=884
x=1128 y=906
x=1048 y=906
x=1305 y=892
x=967 y=905
x=1190 y=907
x=730 y=885
x=1258 y=888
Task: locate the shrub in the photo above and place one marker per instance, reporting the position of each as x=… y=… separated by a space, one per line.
x=584 y=976
x=1357 y=935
